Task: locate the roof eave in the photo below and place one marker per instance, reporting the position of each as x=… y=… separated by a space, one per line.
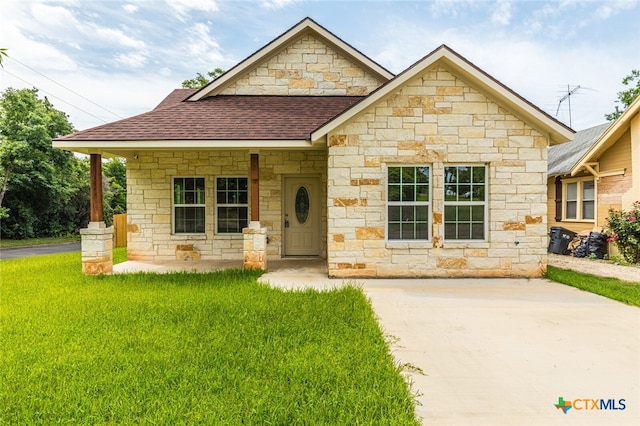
x=100 y=146
x=613 y=133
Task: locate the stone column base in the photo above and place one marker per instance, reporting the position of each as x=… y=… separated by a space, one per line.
x=255 y=248
x=97 y=249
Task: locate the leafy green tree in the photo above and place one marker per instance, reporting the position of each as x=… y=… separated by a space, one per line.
x=626 y=96
x=37 y=181
x=3 y=53
x=201 y=80
x=114 y=191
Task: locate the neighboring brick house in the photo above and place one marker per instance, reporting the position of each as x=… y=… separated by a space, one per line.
x=595 y=173
x=309 y=148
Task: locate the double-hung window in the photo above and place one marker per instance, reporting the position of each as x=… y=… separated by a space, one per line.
x=465 y=202
x=580 y=200
x=188 y=205
x=408 y=202
x=232 y=199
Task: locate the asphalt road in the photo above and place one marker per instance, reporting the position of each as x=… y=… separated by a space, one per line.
x=14 y=253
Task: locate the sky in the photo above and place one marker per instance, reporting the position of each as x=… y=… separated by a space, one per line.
x=101 y=61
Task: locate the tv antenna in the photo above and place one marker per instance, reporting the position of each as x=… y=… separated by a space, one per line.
x=567 y=97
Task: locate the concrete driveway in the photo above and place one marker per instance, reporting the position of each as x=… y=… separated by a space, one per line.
x=503 y=351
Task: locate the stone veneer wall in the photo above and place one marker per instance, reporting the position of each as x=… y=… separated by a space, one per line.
x=307 y=67
x=149 y=199
x=436 y=119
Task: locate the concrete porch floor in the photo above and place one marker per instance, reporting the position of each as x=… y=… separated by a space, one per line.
x=292 y=265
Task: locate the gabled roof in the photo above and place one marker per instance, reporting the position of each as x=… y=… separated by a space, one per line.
x=218 y=121
x=306 y=26
x=613 y=133
x=472 y=75
x=225 y=118
x=562 y=158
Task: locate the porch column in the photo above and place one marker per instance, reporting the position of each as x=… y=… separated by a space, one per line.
x=97 y=239
x=255 y=237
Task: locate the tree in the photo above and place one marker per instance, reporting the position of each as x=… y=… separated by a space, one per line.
x=38 y=182
x=114 y=191
x=3 y=53
x=201 y=80
x=626 y=97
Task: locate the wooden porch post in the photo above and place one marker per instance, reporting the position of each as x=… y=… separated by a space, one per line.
x=97 y=239
x=96 y=188
x=255 y=189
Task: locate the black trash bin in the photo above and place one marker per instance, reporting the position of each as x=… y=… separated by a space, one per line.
x=559 y=239
x=597 y=245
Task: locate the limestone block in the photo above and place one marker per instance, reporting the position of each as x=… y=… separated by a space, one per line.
x=451 y=262
x=370 y=233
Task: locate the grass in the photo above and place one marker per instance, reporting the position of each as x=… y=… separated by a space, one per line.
x=5 y=243
x=613 y=288
x=119 y=255
x=215 y=348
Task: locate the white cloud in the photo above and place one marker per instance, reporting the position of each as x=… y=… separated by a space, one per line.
x=502 y=14
x=52 y=19
x=183 y=7
x=277 y=4
x=203 y=45
x=130 y=8
x=613 y=8
x=133 y=60
x=112 y=35
x=450 y=7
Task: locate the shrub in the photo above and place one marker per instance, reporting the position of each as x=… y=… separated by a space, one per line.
x=623 y=228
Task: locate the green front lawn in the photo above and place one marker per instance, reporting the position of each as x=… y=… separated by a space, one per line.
x=215 y=348
x=612 y=288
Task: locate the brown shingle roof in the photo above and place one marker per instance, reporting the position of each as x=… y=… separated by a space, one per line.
x=224 y=118
x=175 y=97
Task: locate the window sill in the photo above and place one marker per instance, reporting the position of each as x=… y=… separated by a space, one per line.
x=579 y=220
x=189 y=236
x=466 y=244
x=397 y=244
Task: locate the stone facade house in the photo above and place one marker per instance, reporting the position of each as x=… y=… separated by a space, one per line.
x=595 y=173
x=309 y=148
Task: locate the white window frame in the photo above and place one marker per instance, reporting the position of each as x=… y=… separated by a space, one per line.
x=241 y=205
x=579 y=182
x=428 y=203
x=484 y=204
x=175 y=205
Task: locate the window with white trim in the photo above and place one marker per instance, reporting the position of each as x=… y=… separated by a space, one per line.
x=232 y=204
x=408 y=202
x=465 y=202
x=579 y=199
x=188 y=205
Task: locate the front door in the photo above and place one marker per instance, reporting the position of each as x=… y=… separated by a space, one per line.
x=301 y=216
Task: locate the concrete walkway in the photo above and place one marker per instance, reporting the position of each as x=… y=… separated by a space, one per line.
x=502 y=351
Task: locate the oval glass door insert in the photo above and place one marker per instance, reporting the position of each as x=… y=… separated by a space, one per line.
x=302 y=205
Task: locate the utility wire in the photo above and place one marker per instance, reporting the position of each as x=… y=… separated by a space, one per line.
x=53 y=96
x=64 y=87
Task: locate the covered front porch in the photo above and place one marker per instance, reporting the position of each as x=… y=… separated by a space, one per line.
x=184 y=214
